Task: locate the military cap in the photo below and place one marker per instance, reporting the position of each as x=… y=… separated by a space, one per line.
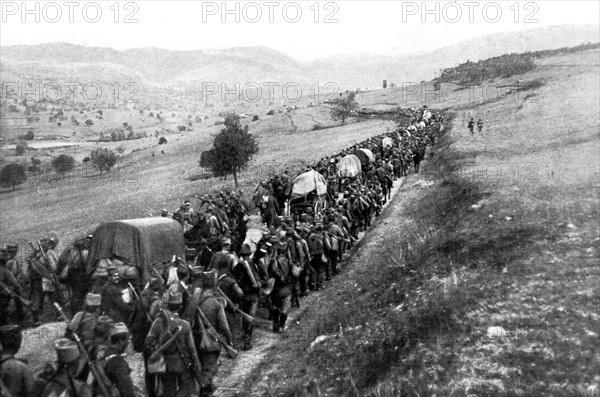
x=105 y=321
x=175 y=298
x=12 y=247
x=266 y=235
x=131 y=273
x=90 y=236
x=118 y=329
x=246 y=249
x=225 y=241
x=208 y=279
x=112 y=270
x=93 y=299
x=66 y=350
x=196 y=271
x=9 y=333
x=156 y=283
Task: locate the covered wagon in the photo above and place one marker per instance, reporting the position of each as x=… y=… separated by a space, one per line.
x=387 y=142
x=366 y=156
x=135 y=245
x=349 y=167
x=309 y=190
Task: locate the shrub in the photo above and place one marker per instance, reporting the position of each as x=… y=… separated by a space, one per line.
x=89 y=122
x=12 y=175
x=255 y=118
x=162 y=140
x=29 y=136
x=63 y=163
x=271 y=112
x=20 y=148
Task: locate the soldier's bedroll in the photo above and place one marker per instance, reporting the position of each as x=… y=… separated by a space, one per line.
x=349 y=167
x=139 y=243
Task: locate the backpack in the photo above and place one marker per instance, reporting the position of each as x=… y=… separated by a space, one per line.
x=315 y=244
x=208 y=340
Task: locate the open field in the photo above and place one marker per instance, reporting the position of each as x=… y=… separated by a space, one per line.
x=501 y=230
x=145 y=180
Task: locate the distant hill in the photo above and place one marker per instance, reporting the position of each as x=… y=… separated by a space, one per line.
x=150 y=66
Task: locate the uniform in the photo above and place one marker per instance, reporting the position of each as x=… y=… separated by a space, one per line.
x=16 y=375
x=215 y=314
x=8 y=279
x=113 y=304
x=177 y=380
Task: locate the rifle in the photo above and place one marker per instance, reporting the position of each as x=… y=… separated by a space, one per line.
x=9 y=291
x=189 y=365
x=154 y=356
x=47 y=269
x=209 y=328
x=4 y=390
x=246 y=316
x=98 y=373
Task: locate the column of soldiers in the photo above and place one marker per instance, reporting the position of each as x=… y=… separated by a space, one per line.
x=189 y=312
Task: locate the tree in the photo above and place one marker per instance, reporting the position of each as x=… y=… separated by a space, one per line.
x=232 y=150
x=12 y=175
x=63 y=164
x=20 y=148
x=103 y=159
x=29 y=136
x=343 y=107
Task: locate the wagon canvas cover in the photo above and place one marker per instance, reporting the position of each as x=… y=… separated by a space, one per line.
x=309 y=182
x=349 y=166
x=142 y=242
x=366 y=156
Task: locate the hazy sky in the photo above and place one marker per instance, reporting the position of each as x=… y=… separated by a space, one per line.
x=295 y=28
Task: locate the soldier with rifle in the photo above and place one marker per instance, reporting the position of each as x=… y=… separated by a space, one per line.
x=69 y=353
x=16 y=379
x=62 y=379
x=10 y=289
x=16 y=268
x=212 y=330
x=182 y=366
x=44 y=283
x=115 y=367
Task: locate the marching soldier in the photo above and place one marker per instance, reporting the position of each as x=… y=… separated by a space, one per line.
x=84 y=322
x=116 y=369
x=44 y=264
x=471 y=125
x=214 y=312
x=16 y=268
x=280 y=269
x=62 y=380
x=479 y=125
x=9 y=286
x=250 y=279
x=181 y=358
x=14 y=373
x=113 y=304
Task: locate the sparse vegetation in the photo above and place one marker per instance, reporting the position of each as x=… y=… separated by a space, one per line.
x=344 y=107
x=103 y=159
x=12 y=175
x=63 y=164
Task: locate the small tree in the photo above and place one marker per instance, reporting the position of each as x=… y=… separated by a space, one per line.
x=103 y=159
x=29 y=136
x=89 y=122
x=232 y=149
x=20 y=148
x=63 y=164
x=12 y=175
x=343 y=107
x=162 y=140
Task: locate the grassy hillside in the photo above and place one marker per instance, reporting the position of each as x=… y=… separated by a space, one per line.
x=147 y=180
x=483 y=278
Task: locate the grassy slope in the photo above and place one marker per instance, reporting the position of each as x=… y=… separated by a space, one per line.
x=505 y=235
x=145 y=184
